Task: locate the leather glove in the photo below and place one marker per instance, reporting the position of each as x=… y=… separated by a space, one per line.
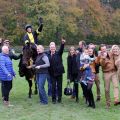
x=40 y=20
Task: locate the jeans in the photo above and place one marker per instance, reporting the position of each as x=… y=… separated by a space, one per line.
x=41 y=79
x=88 y=73
x=49 y=85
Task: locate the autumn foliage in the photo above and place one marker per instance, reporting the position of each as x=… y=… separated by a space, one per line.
x=89 y=20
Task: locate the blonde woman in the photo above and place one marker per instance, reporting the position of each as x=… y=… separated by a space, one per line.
x=41 y=66
x=116 y=55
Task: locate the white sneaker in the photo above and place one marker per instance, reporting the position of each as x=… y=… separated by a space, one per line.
x=7 y=104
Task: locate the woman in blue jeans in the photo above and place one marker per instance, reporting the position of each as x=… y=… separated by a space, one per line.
x=41 y=66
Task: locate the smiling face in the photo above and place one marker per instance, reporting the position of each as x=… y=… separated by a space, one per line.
x=29 y=29
x=86 y=52
x=5 y=50
x=103 y=49
x=115 y=50
x=52 y=48
x=40 y=49
x=90 y=51
x=72 y=51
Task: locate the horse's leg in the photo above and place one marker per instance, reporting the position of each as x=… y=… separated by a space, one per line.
x=30 y=88
x=36 y=91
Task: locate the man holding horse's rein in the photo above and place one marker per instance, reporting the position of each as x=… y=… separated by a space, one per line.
x=31 y=36
x=12 y=53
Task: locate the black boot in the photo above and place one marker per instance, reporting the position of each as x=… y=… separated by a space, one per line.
x=59 y=100
x=77 y=100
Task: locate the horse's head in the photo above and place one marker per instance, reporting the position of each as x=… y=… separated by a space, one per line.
x=29 y=54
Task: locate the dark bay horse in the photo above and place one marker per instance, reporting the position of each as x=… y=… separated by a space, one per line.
x=27 y=59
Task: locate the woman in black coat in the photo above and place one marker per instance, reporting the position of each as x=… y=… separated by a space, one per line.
x=72 y=70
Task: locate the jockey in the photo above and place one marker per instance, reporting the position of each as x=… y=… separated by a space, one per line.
x=31 y=36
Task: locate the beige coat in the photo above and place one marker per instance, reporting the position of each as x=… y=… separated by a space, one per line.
x=117 y=64
x=107 y=64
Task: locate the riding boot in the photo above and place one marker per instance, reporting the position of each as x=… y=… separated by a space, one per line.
x=30 y=93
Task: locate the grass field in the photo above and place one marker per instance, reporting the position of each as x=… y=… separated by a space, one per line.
x=30 y=109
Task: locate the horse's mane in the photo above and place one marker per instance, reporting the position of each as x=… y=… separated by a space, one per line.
x=29 y=52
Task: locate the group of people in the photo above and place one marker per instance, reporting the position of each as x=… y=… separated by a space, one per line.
x=47 y=65
x=83 y=66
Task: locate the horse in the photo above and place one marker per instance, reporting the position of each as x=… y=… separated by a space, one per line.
x=28 y=58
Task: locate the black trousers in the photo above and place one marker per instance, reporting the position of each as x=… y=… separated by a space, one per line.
x=56 y=88
x=87 y=91
x=84 y=89
x=76 y=89
x=6 y=86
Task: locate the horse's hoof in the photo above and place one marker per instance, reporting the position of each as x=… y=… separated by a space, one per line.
x=29 y=97
x=35 y=92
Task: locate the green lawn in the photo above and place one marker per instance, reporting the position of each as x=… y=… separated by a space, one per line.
x=30 y=109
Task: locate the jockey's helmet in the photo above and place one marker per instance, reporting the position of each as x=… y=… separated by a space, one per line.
x=27 y=26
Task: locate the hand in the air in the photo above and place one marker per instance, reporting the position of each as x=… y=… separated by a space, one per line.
x=63 y=41
x=40 y=20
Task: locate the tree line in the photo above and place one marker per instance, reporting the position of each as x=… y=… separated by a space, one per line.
x=89 y=20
